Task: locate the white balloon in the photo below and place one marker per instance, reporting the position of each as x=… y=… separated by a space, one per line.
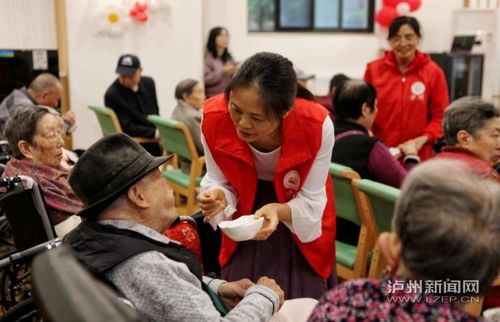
x=107 y=26
x=403 y=8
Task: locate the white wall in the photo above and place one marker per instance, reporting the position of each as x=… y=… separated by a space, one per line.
x=170 y=50
x=325 y=54
x=27 y=24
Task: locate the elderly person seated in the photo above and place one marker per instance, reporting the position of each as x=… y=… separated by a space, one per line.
x=35 y=139
x=190 y=95
x=128 y=205
x=443 y=252
x=472 y=135
x=355 y=111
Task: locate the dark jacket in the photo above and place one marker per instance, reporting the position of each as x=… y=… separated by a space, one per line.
x=353 y=150
x=132 y=108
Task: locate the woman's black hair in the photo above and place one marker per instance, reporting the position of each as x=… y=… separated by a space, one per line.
x=211 y=45
x=275 y=78
x=349 y=98
x=397 y=23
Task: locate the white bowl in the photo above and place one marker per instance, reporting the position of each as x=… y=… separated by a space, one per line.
x=243 y=228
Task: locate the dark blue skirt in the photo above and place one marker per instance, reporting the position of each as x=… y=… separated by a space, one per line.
x=278 y=257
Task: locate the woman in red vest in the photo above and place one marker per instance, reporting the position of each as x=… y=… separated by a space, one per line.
x=411 y=91
x=268 y=153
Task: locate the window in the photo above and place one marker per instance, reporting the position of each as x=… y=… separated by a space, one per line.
x=311 y=15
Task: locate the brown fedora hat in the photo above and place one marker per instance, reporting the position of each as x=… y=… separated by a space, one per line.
x=107 y=169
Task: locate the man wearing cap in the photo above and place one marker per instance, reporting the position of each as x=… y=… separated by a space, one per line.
x=133 y=97
x=128 y=204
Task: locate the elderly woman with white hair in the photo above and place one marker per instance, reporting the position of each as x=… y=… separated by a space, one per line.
x=35 y=139
x=443 y=251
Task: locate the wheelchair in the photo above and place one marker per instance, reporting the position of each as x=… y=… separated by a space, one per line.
x=23 y=207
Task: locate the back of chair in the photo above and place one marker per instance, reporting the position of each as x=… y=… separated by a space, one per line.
x=24 y=208
x=345 y=203
x=175 y=137
x=65 y=291
x=107 y=120
x=382 y=200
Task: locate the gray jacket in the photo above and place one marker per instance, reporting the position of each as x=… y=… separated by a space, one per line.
x=190 y=116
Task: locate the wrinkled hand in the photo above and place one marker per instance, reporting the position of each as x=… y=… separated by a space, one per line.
x=211 y=203
x=409 y=148
x=271 y=220
x=269 y=282
x=69 y=117
x=231 y=293
x=419 y=142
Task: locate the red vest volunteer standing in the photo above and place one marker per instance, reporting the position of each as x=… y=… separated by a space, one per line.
x=302 y=133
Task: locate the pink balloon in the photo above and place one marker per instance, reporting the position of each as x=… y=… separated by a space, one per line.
x=391 y=3
x=385 y=16
x=414 y=4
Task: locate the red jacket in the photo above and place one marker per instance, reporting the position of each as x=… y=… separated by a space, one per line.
x=302 y=132
x=476 y=165
x=409 y=105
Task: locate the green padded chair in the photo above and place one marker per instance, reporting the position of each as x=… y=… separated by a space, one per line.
x=110 y=124
x=177 y=140
x=381 y=200
x=352 y=261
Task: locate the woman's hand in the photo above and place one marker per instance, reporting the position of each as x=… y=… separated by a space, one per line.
x=409 y=148
x=229 y=69
x=418 y=142
x=272 y=213
x=211 y=203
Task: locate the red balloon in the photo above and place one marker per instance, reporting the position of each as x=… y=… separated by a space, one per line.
x=414 y=4
x=391 y=3
x=385 y=16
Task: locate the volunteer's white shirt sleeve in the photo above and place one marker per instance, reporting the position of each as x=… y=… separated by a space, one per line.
x=214 y=178
x=309 y=204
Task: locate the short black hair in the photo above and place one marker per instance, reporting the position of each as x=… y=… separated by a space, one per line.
x=349 y=98
x=400 y=21
x=336 y=80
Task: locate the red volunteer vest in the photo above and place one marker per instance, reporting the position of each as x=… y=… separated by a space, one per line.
x=302 y=133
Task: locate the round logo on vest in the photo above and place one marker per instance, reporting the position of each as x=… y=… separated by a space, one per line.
x=418 y=88
x=292 y=180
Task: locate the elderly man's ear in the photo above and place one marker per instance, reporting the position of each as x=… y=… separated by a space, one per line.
x=390 y=248
x=137 y=197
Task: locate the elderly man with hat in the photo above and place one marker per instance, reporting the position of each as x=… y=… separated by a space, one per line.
x=128 y=203
x=133 y=97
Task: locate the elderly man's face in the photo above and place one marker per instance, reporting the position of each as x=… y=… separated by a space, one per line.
x=50 y=97
x=131 y=81
x=160 y=197
x=485 y=144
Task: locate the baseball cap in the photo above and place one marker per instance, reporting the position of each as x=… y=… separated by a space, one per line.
x=128 y=65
